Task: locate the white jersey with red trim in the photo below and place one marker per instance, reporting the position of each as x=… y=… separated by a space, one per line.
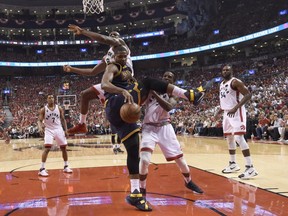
x=109 y=57
x=52 y=118
x=154 y=113
x=229 y=97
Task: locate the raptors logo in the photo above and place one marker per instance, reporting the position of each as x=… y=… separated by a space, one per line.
x=242 y=127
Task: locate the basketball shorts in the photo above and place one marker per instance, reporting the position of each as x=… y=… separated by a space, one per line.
x=101 y=96
x=234 y=125
x=165 y=137
x=57 y=134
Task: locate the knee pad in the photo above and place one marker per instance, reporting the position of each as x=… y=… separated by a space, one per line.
x=145 y=158
x=241 y=141
x=231 y=142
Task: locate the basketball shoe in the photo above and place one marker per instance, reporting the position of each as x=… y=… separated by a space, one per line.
x=67 y=169
x=115 y=151
x=119 y=150
x=248 y=173
x=192 y=186
x=233 y=167
x=42 y=172
x=196 y=95
x=136 y=199
x=79 y=128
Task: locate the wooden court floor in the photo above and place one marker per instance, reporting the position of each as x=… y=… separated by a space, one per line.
x=99 y=182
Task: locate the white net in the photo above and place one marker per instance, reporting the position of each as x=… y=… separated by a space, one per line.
x=93 y=6
x=67 y=100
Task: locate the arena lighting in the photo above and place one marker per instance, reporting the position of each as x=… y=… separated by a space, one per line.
x=157 y=55
x=215 y=32
x=72 y=42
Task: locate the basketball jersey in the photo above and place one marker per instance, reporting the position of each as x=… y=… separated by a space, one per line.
x=122 y=79
x=52 y=118
x=154 y=113
x=109 y=58
x=229 y=97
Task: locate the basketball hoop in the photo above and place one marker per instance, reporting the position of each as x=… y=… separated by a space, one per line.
x=66 y=106
x=93 y=6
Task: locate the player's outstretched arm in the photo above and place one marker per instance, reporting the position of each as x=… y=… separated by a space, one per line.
x=99 y=68
x=95 y=36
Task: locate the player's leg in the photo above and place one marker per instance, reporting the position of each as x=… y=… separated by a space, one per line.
x=48 y=142
x=85 y=97
x=228 y=132
x=129 y=134
x=62 y=142
x=145 y=158
x=113 y=136
x=194 y=95
x=119 y=150
x=43 y=172
x=250 y=171
x=239 y=127
x=171 y=149
x=135 y=198
x=115 y=146
x=147 y=146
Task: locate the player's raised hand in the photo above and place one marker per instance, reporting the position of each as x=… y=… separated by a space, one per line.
x=76 y=29
x=67 y=68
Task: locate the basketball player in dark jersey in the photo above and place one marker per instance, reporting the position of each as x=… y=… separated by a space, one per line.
x=116 y=82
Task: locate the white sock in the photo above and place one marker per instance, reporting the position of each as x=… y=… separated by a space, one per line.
x=42 y=165
x=179 y=92
x=233 y=158
x=83 y=118
x=134 y=185
x=65 y=163
x=248 y=160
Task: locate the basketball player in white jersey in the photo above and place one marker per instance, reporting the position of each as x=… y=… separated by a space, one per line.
x=51 y=122
x=157 y=129
x=95 y=91
x=233 y=96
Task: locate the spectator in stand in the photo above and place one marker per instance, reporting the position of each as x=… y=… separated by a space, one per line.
x=273 y=128
x=283 y=129
x=262 y=126
x=252 y=123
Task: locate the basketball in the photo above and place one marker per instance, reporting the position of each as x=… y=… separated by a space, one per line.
x=130 y=113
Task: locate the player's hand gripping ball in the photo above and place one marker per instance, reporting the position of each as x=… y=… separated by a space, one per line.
x=130 y=113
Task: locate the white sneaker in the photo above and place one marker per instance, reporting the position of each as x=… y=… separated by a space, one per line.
x=43 y=172
x=280 y=140
x=233 y=167
x=249 y=173
x=67 y=169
